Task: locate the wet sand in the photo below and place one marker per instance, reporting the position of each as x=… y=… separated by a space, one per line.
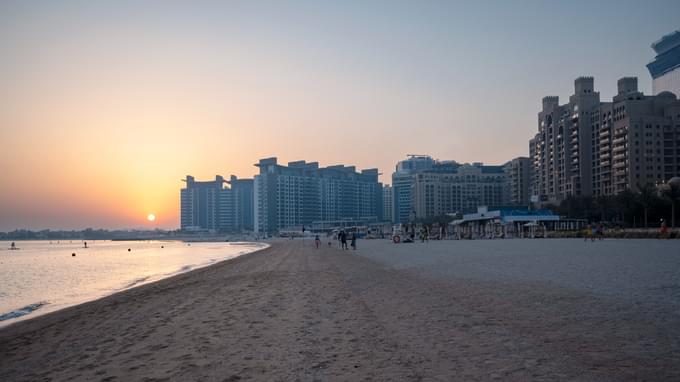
x=291 y=312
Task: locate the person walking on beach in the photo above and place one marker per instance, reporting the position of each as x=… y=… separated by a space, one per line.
x=600 y=232
x=354 y=241
x=317 y=241
x=343 y=240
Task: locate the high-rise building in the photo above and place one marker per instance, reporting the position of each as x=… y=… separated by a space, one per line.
x=588 y=147
x=453 y=188
x=518 y=176
x=636 y=139
x=402 y=185
x=665 y=69
x=388 y=205
x=206 y=205
x=243 y=195
x=561 y=149
x=212 y=206
x=297 y=195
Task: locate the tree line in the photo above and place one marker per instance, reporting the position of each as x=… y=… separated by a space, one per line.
x=646 y=208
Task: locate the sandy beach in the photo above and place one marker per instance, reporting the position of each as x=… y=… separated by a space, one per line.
x=522 y=310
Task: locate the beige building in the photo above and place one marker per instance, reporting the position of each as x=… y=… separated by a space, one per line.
x=563 y=141
x=636 y=140
x=518 y=176
x=591 y=148
x=462 y=190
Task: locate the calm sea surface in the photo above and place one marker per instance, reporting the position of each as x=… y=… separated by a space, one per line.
x=43 y=276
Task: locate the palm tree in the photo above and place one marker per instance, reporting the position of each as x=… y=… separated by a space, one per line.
x=671 y=191
x=647 y=197
x=602 y=204
x=625 y=202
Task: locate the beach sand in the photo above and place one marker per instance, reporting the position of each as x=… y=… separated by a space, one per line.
x=291 y=312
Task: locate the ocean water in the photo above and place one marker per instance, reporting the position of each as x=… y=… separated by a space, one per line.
x=43 y=276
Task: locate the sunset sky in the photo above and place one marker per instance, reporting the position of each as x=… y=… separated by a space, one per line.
x=105 y=106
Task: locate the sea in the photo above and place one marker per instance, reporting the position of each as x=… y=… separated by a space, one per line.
x=44 y=276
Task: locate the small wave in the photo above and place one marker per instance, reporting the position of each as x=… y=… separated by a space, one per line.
x=185 y=268
x=136 y=282
x=22 y=311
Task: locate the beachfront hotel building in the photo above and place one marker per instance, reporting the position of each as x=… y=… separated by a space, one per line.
x=665 y=68
x=210 y=205
x=403 y=180
x=205 y=205
x=301 y=193
x=518 y=177
x=242 y=195
x=388 y=214
x=561 y=149
x=593 y=148
x=449 y=187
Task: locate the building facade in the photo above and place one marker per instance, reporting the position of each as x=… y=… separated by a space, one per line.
x=518 y=177
x=560 y=151
x=665 y=69
x=598 y=148
x=242 y=194
x=636 y=140
x=388 y=205
x=210 y=205
x=453 y=188
x=205 y=205
x=299 y=194
x=403 y=180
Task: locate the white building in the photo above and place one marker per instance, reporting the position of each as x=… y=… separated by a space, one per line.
x=388 y=213
x=402 y=185
x=302 y=193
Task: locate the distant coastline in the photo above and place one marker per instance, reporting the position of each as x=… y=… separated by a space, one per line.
x=123 y=235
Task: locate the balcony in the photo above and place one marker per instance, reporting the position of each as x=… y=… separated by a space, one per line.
x=619 y=149
x=620 y=133
x=618 y=156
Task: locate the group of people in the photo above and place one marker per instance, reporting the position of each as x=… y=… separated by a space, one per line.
x=594 y=232
x=342 y=240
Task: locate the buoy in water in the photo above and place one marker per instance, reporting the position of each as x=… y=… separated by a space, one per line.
x=129 y=250
x=162 y=246
x=73 y=254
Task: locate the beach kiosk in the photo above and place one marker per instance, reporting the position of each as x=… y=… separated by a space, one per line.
x=503 y=223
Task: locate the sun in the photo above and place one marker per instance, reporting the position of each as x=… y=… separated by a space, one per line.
x=151 y=217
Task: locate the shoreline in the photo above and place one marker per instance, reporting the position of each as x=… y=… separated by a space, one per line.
x=292 y=312
x=41 y=308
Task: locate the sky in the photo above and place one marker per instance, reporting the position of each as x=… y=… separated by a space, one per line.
x=106 y=105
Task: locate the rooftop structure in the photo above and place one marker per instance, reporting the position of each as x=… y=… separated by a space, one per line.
x=665 y=68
